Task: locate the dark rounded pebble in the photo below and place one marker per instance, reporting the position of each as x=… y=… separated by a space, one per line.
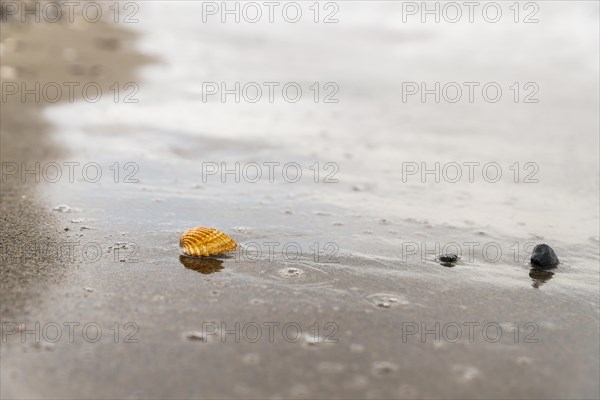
x=449 y=258
x=544 y=257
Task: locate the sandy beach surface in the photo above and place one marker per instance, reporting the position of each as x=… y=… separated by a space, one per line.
x=336 y=290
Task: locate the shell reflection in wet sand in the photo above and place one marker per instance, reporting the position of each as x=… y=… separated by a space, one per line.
x=204 y=265
x=202 y=242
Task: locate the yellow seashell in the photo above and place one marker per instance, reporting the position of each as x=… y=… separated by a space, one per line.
x=202 y=241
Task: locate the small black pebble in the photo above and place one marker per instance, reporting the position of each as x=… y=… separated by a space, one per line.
x=449 y=258
x=544 y=257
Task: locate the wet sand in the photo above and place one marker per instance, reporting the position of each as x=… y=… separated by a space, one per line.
x=30 y=233
x=45 y=53
x=364 y=299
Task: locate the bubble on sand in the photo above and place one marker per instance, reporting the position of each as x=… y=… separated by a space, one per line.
x=119 y=246
x=383 y=300
x=311 y=340
x=362 y=188
x=43 y=346
x=384 y=368
x=63 y=208
x=523 y=360
x=195 y=336
x=291 y=272
x=323 y=213
x=308 y=276
x=466 y=373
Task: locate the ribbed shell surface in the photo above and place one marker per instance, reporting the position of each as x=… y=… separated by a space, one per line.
x=202 y=241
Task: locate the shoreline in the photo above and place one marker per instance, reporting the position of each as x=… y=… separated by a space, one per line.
x=30 y=55
x=26 y=136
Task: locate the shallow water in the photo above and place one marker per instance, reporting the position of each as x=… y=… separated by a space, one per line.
x=370 y=133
